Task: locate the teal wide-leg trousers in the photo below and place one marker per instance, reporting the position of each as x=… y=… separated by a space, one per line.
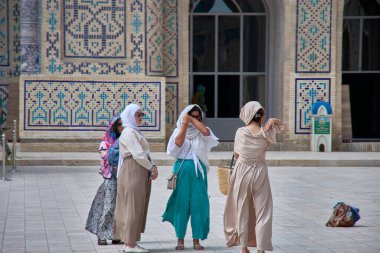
x=189 y=199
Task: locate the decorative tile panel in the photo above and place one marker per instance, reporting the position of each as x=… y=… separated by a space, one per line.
x=4 y=33
x=87 y=105
x=308 y=91
x=94 y=29
x=9 y=38
x=29 y=37
x=171 y=103
x=170 y=37
x=313 y=31
x=162 y=38
x=154 y=37
x=75 y=56
x=4 y=95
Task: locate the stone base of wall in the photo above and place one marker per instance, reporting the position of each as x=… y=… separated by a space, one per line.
x=156 y=145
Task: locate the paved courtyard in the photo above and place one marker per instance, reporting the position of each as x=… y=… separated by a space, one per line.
x=44 y=209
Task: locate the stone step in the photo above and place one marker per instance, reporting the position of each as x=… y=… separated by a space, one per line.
x=274 y=158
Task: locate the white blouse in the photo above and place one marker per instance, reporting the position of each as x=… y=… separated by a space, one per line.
x=133 y=143
x=192 y=149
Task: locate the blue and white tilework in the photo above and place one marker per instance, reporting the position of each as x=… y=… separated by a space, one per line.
x=308 y=91
x=87 y=105
x=313 y=31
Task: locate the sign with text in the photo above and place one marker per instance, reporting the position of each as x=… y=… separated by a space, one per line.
x=321 y=125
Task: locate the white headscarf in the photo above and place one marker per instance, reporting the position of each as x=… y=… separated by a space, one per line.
x=200 y=144
x=128 y=120
x=128 y=116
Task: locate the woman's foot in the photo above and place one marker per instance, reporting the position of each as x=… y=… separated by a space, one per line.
x=196 y=245
x=102 y=242
x=260 y=251
x=180 y=244
x=245 y=250
x=134 y=248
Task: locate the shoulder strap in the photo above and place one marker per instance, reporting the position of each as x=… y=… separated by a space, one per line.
x=183 y=159
x=232 y=161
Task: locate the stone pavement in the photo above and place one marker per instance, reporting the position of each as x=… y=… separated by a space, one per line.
x=44 y=209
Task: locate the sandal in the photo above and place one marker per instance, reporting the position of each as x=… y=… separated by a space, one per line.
x=198 y=247
x=180 y=247
x=117 y=242
x=102 y=242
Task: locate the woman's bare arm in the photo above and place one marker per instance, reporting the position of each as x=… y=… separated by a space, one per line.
x=200 y=126
x=179 y=140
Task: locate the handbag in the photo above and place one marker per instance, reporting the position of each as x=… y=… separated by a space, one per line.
x=223 y=176
x=172 y=179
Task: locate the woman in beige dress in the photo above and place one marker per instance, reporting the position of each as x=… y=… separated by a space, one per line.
x=249 y=207
x=136 y=169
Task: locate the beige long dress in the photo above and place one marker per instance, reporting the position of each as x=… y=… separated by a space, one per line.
x=249 y=207
x=133 y=187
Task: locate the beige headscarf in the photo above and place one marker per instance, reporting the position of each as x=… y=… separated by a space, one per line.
x=249 y=110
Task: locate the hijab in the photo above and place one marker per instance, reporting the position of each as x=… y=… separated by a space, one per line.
x=200 y=145
x=128 y=119
x=128 y=116
x=249 y=110
x=110 y=135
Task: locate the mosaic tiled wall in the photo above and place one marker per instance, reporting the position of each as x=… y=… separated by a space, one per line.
x=308 y=91
x=313 y=31
x=162 y=41
x=171 y=103
x=87 y=105
x=94 y=29
x=4 y=32
x=4 y=95
x=29 y=37
x=87 y=37
x=9 y=38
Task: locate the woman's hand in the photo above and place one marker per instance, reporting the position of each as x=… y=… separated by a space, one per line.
x=271 y=122
x=154 y=173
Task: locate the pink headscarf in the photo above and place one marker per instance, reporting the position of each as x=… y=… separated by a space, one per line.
x=109 y=138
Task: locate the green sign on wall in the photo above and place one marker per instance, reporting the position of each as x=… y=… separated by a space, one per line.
x=321 y=125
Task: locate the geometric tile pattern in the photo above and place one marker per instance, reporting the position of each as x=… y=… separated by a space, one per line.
x=162 y=38
x=171 y=102
x=87 y=105
x=154 y=37
x=308 y=91
x=54 y=62
x=94 y=29
x=29 y=37
x=170 y=36
x=313 y=31
x=9 y=38
x=4 y=95
x=4 y=33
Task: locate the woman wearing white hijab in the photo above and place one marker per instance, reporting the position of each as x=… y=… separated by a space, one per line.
x=189 y=144
x=249 y=207
x=136 y=169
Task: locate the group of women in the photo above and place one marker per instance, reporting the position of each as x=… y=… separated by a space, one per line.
x=119 y=210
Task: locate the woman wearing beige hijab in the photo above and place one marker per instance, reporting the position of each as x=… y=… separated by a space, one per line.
x=134 y=174
x=249 y=208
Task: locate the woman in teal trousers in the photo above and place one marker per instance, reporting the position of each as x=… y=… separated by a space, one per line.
x=189 y=144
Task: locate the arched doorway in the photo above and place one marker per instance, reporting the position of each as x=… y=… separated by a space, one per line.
x=228 y=59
